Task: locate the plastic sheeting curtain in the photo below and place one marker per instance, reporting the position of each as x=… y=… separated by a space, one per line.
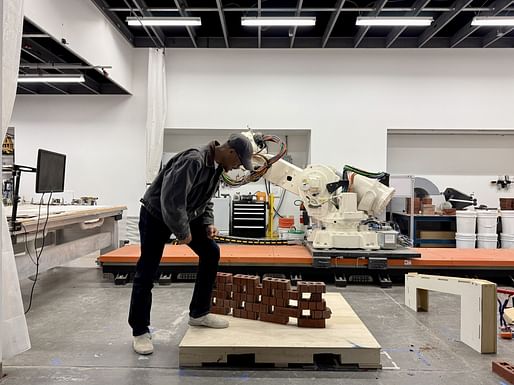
x=156 y=112
x=14 y=336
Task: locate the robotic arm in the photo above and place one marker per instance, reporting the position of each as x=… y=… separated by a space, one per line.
x=342 y=215
x=342 y=205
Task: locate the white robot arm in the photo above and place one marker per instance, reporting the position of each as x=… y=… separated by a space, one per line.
x=342 y=215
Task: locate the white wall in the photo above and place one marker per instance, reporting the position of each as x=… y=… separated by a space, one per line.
x=102 y=136
x=348 y=98
x=467 y=161
x=88 y=32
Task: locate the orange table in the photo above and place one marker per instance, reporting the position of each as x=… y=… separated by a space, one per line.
x=298 y=255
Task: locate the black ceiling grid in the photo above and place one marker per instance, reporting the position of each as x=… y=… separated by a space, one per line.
x=335 y=23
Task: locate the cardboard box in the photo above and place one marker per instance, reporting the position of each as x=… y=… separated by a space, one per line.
x=428 y=234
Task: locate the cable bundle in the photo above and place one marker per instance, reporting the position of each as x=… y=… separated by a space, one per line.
x=372 y=175
x=265 y=162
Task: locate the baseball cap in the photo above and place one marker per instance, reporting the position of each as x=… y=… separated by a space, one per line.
x=243 y=148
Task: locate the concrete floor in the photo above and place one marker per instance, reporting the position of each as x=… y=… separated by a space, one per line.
x=79 y=335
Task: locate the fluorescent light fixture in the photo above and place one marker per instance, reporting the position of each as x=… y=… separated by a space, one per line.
x=51 y=79
x=496 y=21
x=165 y=21
x=278 y=21
x=395 y=21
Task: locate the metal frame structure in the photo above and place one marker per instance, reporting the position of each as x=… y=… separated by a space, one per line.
x=41 y=54
x=336 y=29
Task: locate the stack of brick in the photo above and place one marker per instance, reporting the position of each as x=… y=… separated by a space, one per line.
x=313 y=308
x=275 y=298
x=246 y=293
x=271 y=301
x=222 y=295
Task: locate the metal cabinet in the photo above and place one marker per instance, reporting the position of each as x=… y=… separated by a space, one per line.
x=248 y=219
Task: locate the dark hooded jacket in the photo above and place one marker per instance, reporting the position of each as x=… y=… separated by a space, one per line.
x=183 y=190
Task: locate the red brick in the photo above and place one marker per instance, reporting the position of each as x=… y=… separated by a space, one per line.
x=286 y=311
x=303 y=305
x=316 y=297
x=321 y=305
x=220 y=277
x=283 y=284
x=311 y=323
x=252 y=315
x=504 y=370
x=274 y=318
x=316 y=314
x=250 y=297
x=319 y=287
x=267 y=282
x=304 y=287
x=225 y=277
x=254 y=281
x=282 y=302
x=293 y=294
x=219 y=310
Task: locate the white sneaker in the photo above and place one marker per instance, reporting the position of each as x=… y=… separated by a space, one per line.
x=143 y=344
x=209 y=320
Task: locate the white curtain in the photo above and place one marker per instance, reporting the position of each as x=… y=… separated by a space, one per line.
x=14 y=336
x=156 y=112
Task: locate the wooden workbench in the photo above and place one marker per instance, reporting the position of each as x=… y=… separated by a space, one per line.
x=71 y=232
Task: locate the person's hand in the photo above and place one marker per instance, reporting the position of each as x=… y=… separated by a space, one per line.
x=185 y=241
x=212 y=231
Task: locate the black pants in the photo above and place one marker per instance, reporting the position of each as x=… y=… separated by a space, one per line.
x=153 y=236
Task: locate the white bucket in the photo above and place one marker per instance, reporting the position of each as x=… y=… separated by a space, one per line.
x=507 y=241
x=486 y=221
x=466 y=221
x=465 y=241
x=487 y=241
x=507 y=222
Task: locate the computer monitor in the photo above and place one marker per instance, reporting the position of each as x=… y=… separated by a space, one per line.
x=50 y=171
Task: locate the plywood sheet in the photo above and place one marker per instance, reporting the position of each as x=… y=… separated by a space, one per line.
x=345 y=335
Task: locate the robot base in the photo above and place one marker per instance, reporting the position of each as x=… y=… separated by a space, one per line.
x=328 y=239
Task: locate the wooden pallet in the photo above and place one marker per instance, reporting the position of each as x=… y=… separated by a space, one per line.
x=345 y=338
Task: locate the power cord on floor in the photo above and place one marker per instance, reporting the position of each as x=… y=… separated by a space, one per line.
x=38 y=255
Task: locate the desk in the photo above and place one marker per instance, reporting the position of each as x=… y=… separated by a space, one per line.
x=447 y=221
x=71 y=232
